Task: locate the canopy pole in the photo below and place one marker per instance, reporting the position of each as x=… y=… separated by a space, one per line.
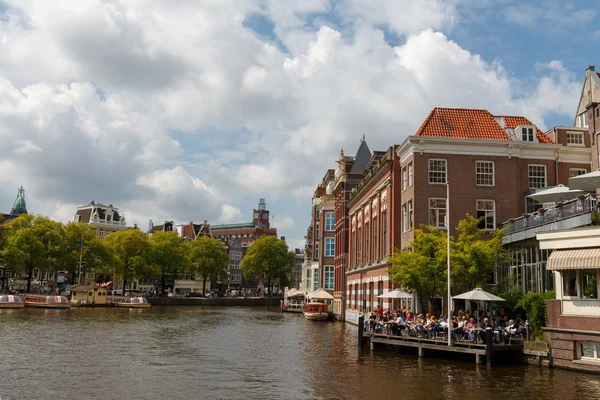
x=449 y=320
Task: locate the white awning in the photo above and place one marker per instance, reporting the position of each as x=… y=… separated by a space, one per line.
x=573 y=259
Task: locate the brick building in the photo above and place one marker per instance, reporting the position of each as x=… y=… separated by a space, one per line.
x=374 y=233
x=492 y=164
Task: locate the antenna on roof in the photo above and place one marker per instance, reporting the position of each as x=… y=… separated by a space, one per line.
x=363 y=138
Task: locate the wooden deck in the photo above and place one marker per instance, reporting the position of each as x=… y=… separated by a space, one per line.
x=428 y=345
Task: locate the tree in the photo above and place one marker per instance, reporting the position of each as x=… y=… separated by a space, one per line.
x=80 y=241
x=131 y=250
x=209 y=259
x=424 y=266
x=169 y=254
x=474 y=255
x=32 y=242
x=270 y=257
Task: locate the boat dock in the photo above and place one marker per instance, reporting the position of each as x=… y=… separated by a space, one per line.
x=483 y=353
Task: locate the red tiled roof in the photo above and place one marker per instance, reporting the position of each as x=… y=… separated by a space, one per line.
x=512 y=122
x=462 y=123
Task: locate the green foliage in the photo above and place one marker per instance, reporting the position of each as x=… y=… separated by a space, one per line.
x=131 y=250
x=32 y=242
x=535 y=308
x=423 y=268
x=270 y=257
x=512 y=297
x=209 y=259
x=169 y=254
x=95 y=255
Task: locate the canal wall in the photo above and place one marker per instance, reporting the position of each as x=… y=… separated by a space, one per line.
x=217 y=301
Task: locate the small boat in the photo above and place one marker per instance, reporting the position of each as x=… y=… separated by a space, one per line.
x=316 y=312
x=129 y=302
x=11 y=301
x=43 y=301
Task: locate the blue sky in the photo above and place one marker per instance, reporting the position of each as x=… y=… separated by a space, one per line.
x=194 y=110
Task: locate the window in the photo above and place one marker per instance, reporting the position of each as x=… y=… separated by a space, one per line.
x=317 y=230
x=437 y=212
x=353 y=263
x=316 y=250
x=410 y=174
x=404 y=179
x=576 y=172
x=315 y=279
x=537 y=176
x=375 y=252
x=484 y=173
x=437 y=171
x=380 y=292
x=384 y=234
x=527 y=134
x=330 y=221
x=410 y=215
x=569 y=283
x=329 y=247
x=588 y=288
x=575 y=139
x=486 y=210
x=359 y=252
x=328 y=277
x=582 y=120
x=589 y=350
x=404 y=218
x=317 y=214
x=367 y=249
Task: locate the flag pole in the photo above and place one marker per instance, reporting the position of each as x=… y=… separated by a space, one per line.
x=449 y=320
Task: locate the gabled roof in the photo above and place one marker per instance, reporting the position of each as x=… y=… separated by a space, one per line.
x=362 y=157
x=465 y=123
x=462 y=123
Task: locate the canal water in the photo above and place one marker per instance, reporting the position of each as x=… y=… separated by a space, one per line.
x=237 y=353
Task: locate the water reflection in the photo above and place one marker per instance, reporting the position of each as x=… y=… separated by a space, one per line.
x=236 y=353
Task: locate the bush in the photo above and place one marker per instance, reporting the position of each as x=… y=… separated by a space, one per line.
x=535 y=308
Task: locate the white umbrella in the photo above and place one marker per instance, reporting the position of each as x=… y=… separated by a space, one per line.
x=589 y=181
x=320 y=295
x=396 y=294
x=555 y=194
x=478 y=294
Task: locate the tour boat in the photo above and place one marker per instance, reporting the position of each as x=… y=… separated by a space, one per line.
x=316 y=312
x=43 y=301
x=11 y=301
x=129 y=302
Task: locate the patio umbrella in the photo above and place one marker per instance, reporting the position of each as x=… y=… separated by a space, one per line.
x=589 y=181
x=477 y=295
x=396 y=294
x=556 y=194
x=320 y=295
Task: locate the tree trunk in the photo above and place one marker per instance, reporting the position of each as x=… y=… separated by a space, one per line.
x=124 y=285
x=164 y=283
x=204 y=285
x=29 y=272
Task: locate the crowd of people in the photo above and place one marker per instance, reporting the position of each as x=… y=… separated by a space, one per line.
x=464 y=325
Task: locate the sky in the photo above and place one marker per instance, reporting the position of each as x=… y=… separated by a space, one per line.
x=195 y=109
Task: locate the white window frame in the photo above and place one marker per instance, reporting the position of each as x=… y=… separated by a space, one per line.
x=410 y=174
x=486 y=211
x=404 y=218
x=437 y=179
x=596 y=351
x=329 y=247
x=582 y=120
x=404 y=178
x=528 y=134
x=575 y=139
x=437 y=213
x=573 y=172
x=329 y=277
x=330 y=218
x=481 y=164
x=529 y=176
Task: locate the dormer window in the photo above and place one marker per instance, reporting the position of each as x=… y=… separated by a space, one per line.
x=575 y=139
x=527 y=134
x=582 y=120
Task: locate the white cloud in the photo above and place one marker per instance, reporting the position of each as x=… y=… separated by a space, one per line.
x=93 y=93
x=283 y=222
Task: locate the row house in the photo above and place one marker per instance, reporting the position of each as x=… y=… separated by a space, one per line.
x=348 y=175
x=374 y=214
x=491 y=164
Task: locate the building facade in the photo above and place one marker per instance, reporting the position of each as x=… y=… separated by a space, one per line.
x=105 y=219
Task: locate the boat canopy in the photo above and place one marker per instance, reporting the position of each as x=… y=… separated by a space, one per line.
x=10 y=299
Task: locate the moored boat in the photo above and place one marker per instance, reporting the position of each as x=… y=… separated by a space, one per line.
x=129 y=302
x=44 y=301
x=316 y=311
x=11 y=301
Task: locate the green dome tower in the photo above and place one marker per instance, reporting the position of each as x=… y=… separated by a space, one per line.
x=19 y=206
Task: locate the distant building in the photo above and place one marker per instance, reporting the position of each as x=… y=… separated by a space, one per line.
x=105 y=219
x=236 y=253
x=297 y=272
x=19 y=207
